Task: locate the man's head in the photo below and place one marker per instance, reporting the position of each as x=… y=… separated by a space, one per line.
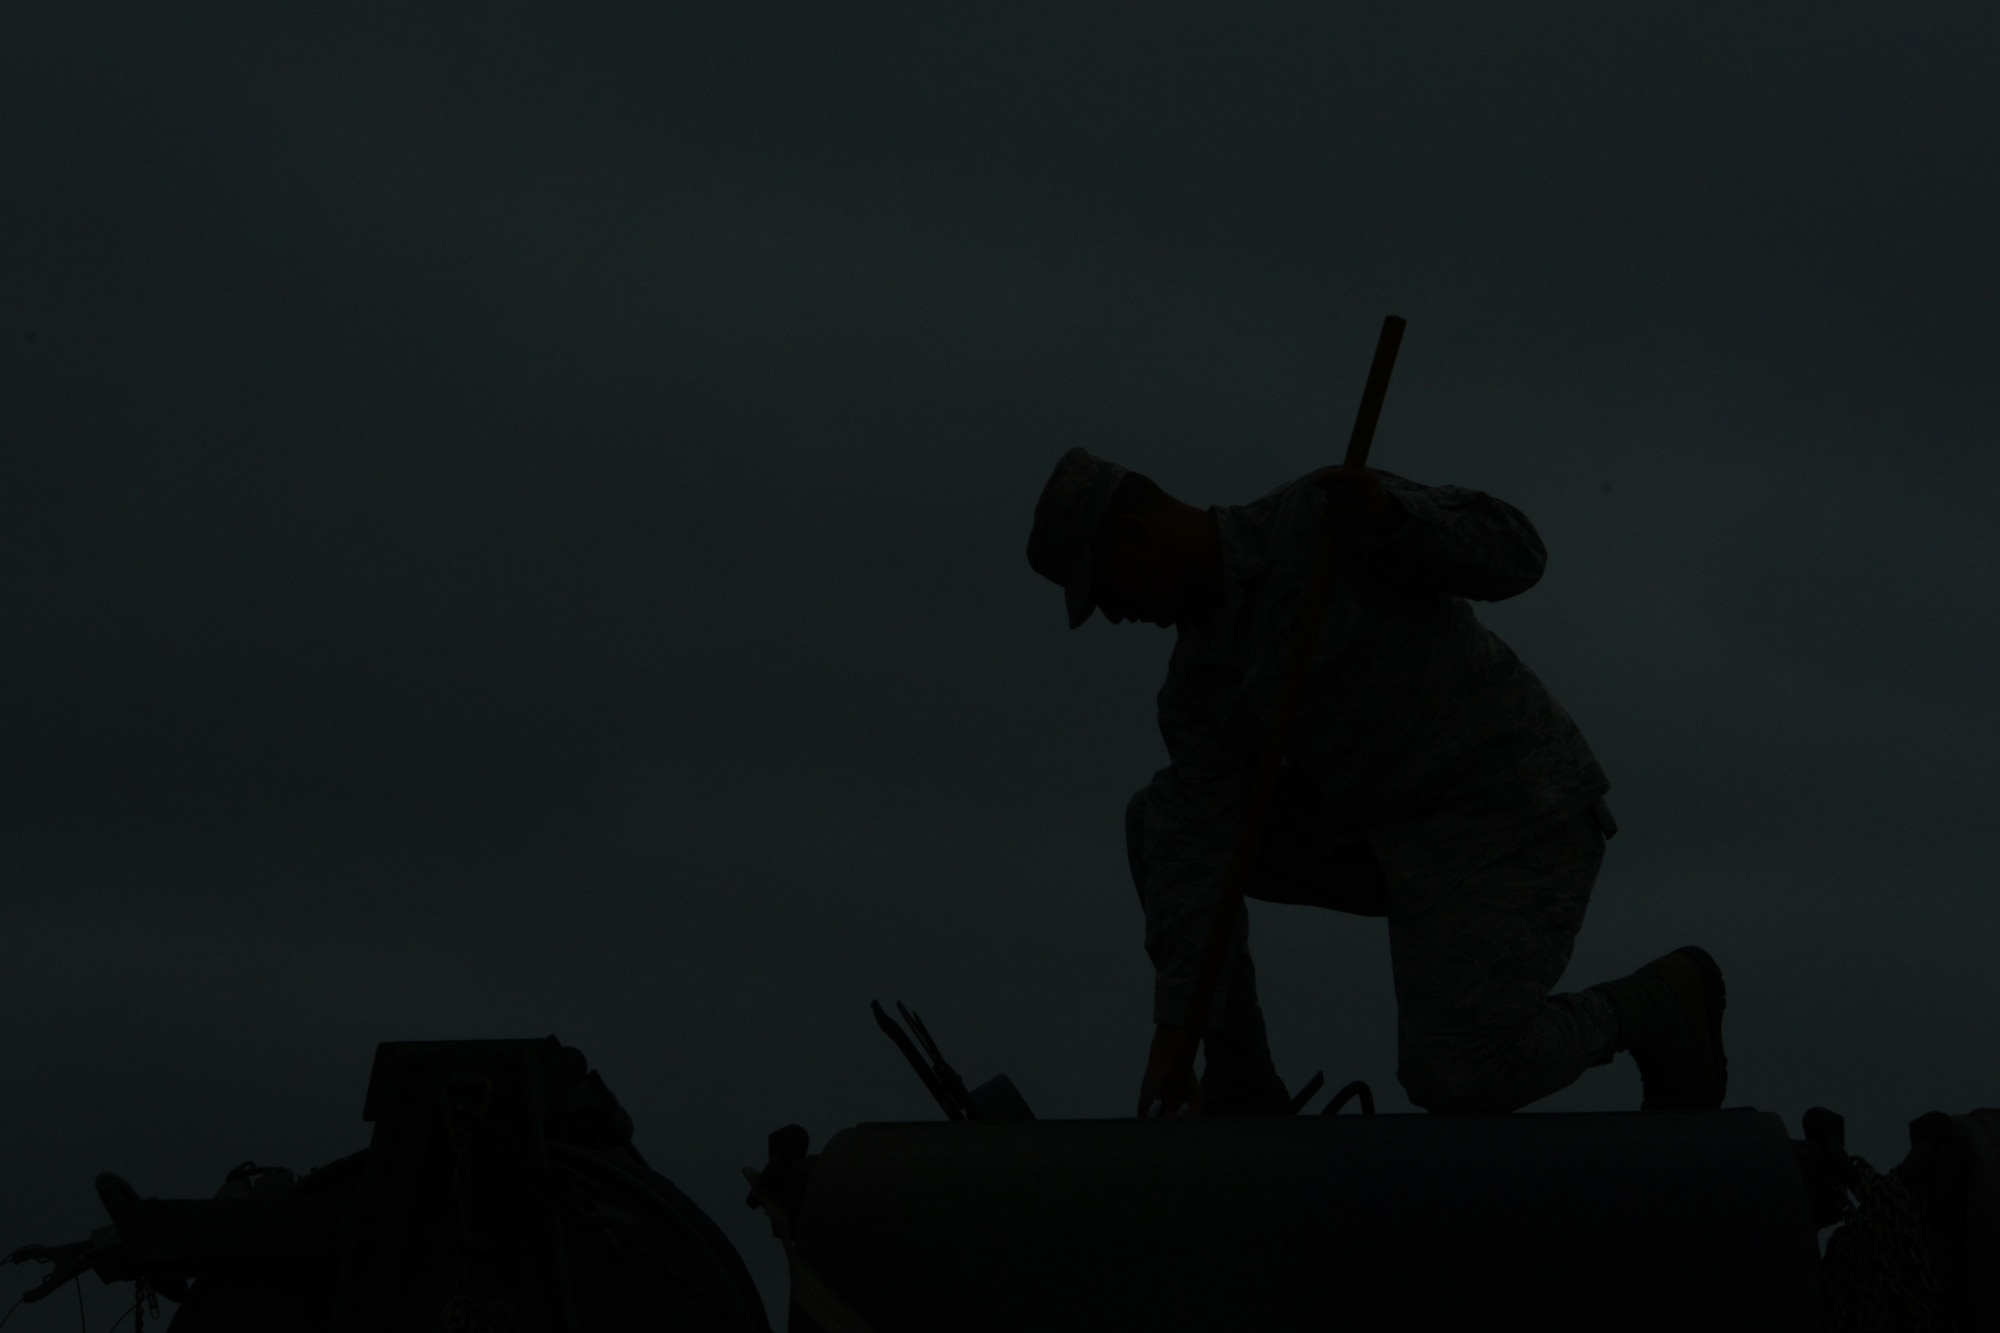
x=1113 y=539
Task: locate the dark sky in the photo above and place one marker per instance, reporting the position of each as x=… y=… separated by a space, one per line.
x=511 y=522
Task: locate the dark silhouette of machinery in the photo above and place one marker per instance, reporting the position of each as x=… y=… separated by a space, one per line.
x=501 y=1190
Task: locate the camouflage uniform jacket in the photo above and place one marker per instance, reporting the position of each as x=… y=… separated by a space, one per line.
x=1425 y=735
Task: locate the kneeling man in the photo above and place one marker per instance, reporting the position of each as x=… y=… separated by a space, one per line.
x=1431 y=779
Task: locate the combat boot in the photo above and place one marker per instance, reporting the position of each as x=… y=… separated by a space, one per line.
x=1670 y=1018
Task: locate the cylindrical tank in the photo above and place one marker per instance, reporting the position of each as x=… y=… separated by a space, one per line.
x=1547 y=1221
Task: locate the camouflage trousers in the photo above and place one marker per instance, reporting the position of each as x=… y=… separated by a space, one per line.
x=1478 y=1027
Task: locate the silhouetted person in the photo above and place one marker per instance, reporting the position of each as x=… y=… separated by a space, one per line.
x=1431 y=779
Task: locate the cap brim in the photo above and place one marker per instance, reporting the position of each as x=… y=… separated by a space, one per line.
x=1077 y=591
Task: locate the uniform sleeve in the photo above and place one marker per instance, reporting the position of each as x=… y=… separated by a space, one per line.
x=1458 y=541
x=1193 y=809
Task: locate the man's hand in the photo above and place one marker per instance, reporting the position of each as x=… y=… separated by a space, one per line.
x=1170 y=1082
x=1357 y=501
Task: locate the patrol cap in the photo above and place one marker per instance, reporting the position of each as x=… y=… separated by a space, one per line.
x=1066 y=519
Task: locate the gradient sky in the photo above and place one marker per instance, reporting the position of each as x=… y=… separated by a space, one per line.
x=513 y=523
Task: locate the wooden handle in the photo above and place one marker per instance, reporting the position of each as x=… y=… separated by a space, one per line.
x=1374 y=392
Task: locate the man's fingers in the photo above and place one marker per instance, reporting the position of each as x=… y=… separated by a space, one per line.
x=1170 y=1082
x=1171 y=1105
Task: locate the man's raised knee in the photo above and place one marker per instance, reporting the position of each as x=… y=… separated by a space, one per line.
x=1135 y=836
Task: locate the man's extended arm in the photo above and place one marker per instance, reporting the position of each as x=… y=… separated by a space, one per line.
x=1192 y=829
x=1189 y=830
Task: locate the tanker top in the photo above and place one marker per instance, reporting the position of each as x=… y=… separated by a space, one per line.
x=1545 y=1221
